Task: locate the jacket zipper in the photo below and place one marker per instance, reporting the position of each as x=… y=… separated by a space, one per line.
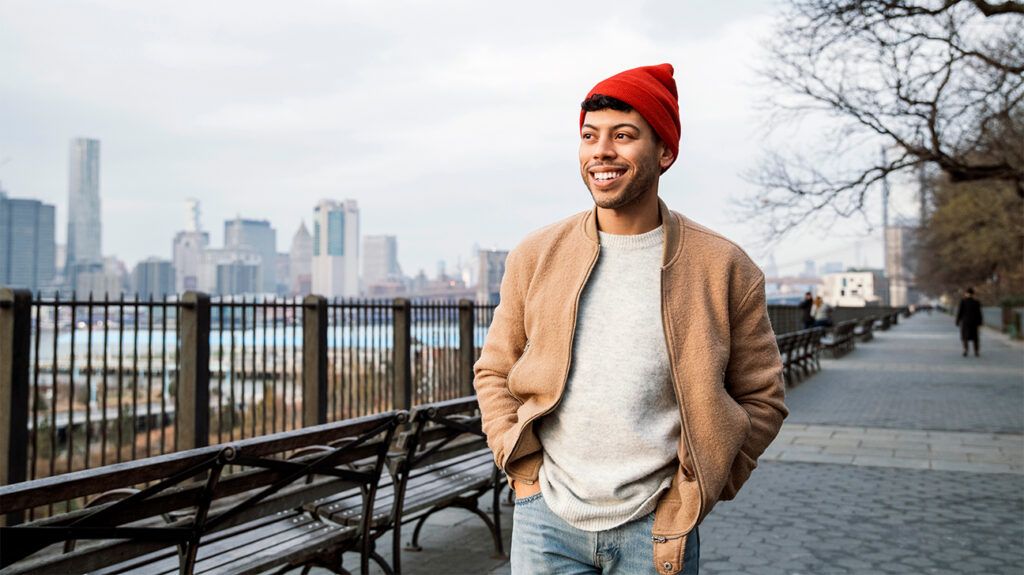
x=682 y=414
x=568 y=364
x=512 y=370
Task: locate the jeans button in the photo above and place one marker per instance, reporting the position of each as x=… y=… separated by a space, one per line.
x=667 y=566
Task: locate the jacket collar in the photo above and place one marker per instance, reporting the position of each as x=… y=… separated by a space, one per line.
x=669 y=219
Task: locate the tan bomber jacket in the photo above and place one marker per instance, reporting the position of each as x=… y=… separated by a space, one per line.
x=725 y=364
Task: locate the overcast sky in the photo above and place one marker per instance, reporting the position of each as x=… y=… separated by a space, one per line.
x=449 y=122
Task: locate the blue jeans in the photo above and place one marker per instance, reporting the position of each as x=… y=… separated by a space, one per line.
x=543 y=542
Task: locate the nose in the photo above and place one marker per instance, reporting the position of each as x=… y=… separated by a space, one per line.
x=603 y=149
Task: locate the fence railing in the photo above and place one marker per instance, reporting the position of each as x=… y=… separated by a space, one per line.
x=97 y=381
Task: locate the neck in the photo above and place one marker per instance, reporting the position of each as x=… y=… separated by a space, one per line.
x=638 y=217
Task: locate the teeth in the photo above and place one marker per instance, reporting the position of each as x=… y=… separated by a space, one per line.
x=604 y=176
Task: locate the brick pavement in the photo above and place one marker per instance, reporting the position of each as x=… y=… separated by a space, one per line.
x=902 y=457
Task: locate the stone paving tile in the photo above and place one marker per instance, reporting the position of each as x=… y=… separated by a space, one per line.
x=963 y=514
x=988 y=452
x=810 y=519
x=912 y=377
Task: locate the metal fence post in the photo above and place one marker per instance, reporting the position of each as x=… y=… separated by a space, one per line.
x=467 y=345
x=193 y=427
x=402 y=349
x=314 y=360
x=15 y=348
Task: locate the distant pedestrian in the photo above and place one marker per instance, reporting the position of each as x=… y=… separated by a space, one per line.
x=805 y=309
x=968 y=317
x=822 y=313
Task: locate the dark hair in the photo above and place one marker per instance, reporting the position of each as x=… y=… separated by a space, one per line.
x=970 y=291
x=602 y=102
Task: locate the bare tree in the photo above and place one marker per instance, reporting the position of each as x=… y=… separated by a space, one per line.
x=937 y=83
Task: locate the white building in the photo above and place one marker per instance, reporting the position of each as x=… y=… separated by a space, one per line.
x=187 y=250
x=300 y=262
x=336 y=249
x=856 y=289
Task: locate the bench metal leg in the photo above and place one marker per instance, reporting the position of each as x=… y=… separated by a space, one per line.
x=382 y=563
x=414 y=545
x=496 y=510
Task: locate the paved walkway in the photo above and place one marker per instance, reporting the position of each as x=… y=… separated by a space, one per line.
x=901 y=457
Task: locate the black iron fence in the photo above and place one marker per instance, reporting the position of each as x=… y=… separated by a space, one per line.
x=98 y=381
x=87 y=382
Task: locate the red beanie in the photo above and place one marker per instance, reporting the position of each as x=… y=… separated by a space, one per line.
x=651 y=91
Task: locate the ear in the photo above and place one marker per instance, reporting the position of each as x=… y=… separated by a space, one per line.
x=665 y=157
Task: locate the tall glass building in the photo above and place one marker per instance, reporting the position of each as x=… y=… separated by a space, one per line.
x=259 y=237
x=27 y=243
x=84 y=250
x=336 y=249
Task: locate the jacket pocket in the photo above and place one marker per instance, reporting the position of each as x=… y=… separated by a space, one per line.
x=512 y=371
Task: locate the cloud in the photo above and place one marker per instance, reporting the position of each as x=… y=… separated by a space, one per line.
x=451 y=122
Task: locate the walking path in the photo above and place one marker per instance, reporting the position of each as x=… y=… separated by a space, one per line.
x=901 y=457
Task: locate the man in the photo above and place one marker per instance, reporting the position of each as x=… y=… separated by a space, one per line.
x=805 y=310
x=968 y=317
x=630 y=378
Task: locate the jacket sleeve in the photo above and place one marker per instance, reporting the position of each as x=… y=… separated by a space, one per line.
x=754 y=380
x=505 y=342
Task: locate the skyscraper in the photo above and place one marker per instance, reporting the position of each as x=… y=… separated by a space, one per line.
x=84 y=250
x=27 y=246
x=380 y=260
x=492 y=269
x=256 y=236
x=300 y=262
x=336 y=249
x=188 y=249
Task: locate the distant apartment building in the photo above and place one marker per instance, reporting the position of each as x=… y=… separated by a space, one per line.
x=27 y=245
x=300 y=262
x=856 y=288
x=336 y=249
x=153 y=278
x=109 y=278
x=492 y=270
x=380 y=260
x=84 y=249
x=230 y=271
x=259 y=237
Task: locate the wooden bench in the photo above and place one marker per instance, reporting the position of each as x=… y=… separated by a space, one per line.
x=800 y=352
x=840 y=339
x=864 y=330
x=440 y=461
x=233 y=508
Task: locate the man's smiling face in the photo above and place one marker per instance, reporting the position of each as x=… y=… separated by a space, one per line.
x=621 y=157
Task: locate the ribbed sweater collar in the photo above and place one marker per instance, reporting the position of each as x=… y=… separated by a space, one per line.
x=653 y=238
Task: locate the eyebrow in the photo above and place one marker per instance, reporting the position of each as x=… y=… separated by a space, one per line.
x=616 y=126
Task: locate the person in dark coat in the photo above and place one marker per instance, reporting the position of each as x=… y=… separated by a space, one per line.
x=968 y=317
x=805 y=310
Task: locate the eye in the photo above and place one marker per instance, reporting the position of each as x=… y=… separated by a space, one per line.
x=587 y=136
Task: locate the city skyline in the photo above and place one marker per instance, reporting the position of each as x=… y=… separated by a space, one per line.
x=444 y=138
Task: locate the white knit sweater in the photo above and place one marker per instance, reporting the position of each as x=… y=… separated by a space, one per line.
x=610 y=445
